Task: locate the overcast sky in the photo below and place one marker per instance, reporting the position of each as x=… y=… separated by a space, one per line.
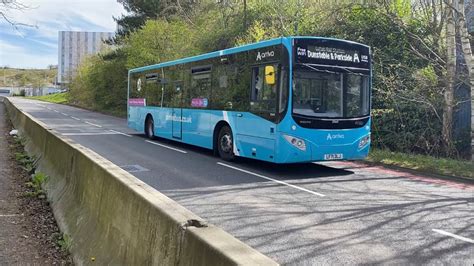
x=38 y=47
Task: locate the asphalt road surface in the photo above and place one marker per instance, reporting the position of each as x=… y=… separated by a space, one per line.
x=304 y=214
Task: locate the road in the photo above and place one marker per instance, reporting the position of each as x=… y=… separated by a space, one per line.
x=304 y=214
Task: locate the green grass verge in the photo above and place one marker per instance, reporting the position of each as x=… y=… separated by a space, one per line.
x=61 y=98
x=423 y=163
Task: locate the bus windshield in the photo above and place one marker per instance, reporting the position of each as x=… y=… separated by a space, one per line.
x=330 y=94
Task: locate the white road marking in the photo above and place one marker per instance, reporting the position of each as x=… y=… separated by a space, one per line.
x=271 y=179
x=64 y=114
x=10 y=215
x=56 y=111
x=88 y=134
x=164 y=146
x=453 y=235
x=92 y=124
x=120 y=133
x=75 y=118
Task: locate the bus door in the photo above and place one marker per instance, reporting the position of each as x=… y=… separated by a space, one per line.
x=177 y=112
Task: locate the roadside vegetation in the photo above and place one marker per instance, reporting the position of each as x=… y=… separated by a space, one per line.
x=61 y=98
x=35 y=207
x=33 y=78
x=28 y=164
x=424 y=163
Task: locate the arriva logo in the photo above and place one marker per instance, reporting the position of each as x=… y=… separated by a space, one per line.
x=266 y=54
x=356 y=58
x=334 y=136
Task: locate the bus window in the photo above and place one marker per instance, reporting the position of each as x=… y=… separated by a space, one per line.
x=200 y=87
x=221 y=97
x=263 y=95
x=283 y=90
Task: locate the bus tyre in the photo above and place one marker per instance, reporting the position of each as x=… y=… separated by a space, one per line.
x=225 y=144
x=150 y=128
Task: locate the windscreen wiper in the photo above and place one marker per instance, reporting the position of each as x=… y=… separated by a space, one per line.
x=312 y=67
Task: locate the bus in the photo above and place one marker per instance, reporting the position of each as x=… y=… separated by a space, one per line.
x=285 y=100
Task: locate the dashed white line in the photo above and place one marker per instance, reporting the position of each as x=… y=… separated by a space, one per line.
x=88 y=134
x=120 y=133
x=75 y=118
x=271 y=179
x=164 y=146
x=453 y=235
x=64 y=114
x=10 y=215
x=92 y=124
x=56 y=111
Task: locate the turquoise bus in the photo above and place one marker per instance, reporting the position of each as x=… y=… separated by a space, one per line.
x=285 y=100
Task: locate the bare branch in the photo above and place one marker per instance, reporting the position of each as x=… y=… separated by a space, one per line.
x=7 y=6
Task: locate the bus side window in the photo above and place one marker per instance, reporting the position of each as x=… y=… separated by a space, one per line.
x=263 y=95
x=200 y=87
x=134 y=85
x=283 y=92
x=221 y=95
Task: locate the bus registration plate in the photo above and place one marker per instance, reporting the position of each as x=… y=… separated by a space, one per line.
x=334 y=156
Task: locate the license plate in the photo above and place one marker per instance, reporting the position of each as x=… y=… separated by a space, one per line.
x=334 y=156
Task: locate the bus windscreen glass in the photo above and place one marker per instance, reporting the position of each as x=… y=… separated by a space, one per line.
x=330 y=94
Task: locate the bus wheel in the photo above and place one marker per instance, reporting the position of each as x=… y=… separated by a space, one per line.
x=225 y=144
x=150 y=128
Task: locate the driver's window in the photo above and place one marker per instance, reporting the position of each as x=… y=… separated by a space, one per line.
x=263 y=95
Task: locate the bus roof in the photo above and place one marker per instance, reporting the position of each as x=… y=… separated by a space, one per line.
x=232 y=50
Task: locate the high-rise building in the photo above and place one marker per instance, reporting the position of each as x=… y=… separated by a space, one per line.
x=73 y=46
x=469 y=13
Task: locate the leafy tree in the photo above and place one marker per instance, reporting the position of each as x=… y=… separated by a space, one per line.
x=101 y=84
x=159 y=41
x=141 y=10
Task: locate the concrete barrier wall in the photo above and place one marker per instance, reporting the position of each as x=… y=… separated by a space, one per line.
x=113 y=218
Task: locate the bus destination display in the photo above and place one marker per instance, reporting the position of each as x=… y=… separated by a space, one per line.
x=332 y=53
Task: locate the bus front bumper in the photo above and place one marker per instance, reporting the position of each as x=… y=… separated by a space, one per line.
x=357 y=150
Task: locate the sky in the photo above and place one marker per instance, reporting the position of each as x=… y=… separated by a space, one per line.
x=37 y=47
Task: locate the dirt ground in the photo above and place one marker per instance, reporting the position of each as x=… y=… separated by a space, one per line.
x=29 y=234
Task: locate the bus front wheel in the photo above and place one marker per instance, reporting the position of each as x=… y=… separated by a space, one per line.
x=150 y=128
x=225 y=144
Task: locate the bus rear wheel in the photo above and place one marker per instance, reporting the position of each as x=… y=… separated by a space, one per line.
x=225 y=144
x=150 y=128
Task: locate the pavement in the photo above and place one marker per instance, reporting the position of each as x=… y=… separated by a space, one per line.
x=299 y=214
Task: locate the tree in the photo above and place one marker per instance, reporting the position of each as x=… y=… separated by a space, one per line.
x=466 y=48
x=7 y=6
x=450 y=76
x=141 y=10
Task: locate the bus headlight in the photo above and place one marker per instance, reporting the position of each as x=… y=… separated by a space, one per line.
x=364 y=141
x=298 y=143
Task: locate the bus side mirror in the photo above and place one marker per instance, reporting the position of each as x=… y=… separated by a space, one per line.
x=270 y=75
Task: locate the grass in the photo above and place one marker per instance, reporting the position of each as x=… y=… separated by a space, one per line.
x=28 y=163
x=61 y=98
x=424 y=163
x=64 y=241
x=14 y=77
x=35 y=184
